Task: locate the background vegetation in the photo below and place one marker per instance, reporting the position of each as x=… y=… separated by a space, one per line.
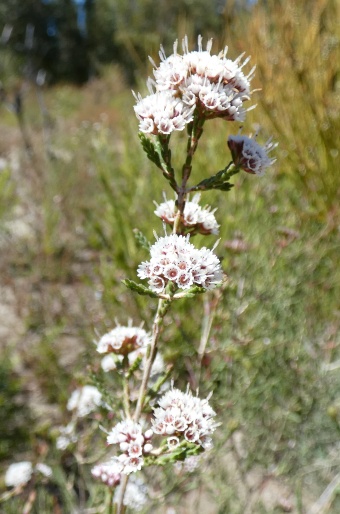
x=74 y=184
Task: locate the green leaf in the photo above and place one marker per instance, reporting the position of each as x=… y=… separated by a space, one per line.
x=190 y=293
x=141 y=239
x=218 y=181
x=150 y=149
x=139 y=288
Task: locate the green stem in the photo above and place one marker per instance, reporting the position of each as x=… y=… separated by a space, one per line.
x=126 y=395
x=195 y=131
x=163 y=306
x=164 y=153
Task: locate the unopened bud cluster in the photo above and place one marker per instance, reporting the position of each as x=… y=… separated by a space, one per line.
x=249 y=155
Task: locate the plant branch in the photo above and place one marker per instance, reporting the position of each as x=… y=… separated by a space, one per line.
x=152 y=350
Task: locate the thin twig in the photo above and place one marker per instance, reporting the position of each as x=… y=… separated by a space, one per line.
x=322 y=505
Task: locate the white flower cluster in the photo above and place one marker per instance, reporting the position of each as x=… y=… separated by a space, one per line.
x=132 y=442
x=184 y=415
x=213 y=84
x=84 y=400
x=196 y=219
x=136 y=494
x=123 y=340
x=174 y=259
x=67 y=436
x=162 y=113
x=190 y=464
x=109 y=362
x=20 y=473
x=249 y=155
x=108 y=472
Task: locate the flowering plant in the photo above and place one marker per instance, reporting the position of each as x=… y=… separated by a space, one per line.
x=159 y=426
x=187 y=90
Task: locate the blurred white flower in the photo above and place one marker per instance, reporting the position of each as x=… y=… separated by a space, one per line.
x=108 y=472
x=190 y=464
x=18 y=473
x=175 y=259
x=44 y=469
x=67 y=436
x=109 y=362
x=84 y=400
x=249 y=155
x=136 y=494
x=123 y=340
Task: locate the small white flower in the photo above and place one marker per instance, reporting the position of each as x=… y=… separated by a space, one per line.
x=133 y=444
x=196 y=219
x=162 y=113
x=136 y=494
x=213 y=84
x=131 y=464
x=108 y=472
x=147 y=448
x=18 y=473
x=123 y=340
x=182 y=415
x=44 y=469
x=67 y=436
x=84 y=400
x=190 y=464
x=173 y=256
x=126 y=430
x=109 y=362
x=249 y=155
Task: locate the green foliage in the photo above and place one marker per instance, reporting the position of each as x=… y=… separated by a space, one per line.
x=139 y=288
x=14 y=416
x=218 y=181
x=149 y=148
x=7 y=193
x=141 y=239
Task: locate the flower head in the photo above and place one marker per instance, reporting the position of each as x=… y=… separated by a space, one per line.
x=184 y=416
x=109 y=363
x=45 y=470
x=212 y=84
x=84 y=400
x=133 y=443
x=67 y=436
x=196 y=219
x=108 y=472
x=174 y=259
x=162 y=113
x=136 y=494
x=249 y=155
x=18 y=473
x=123 y=340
